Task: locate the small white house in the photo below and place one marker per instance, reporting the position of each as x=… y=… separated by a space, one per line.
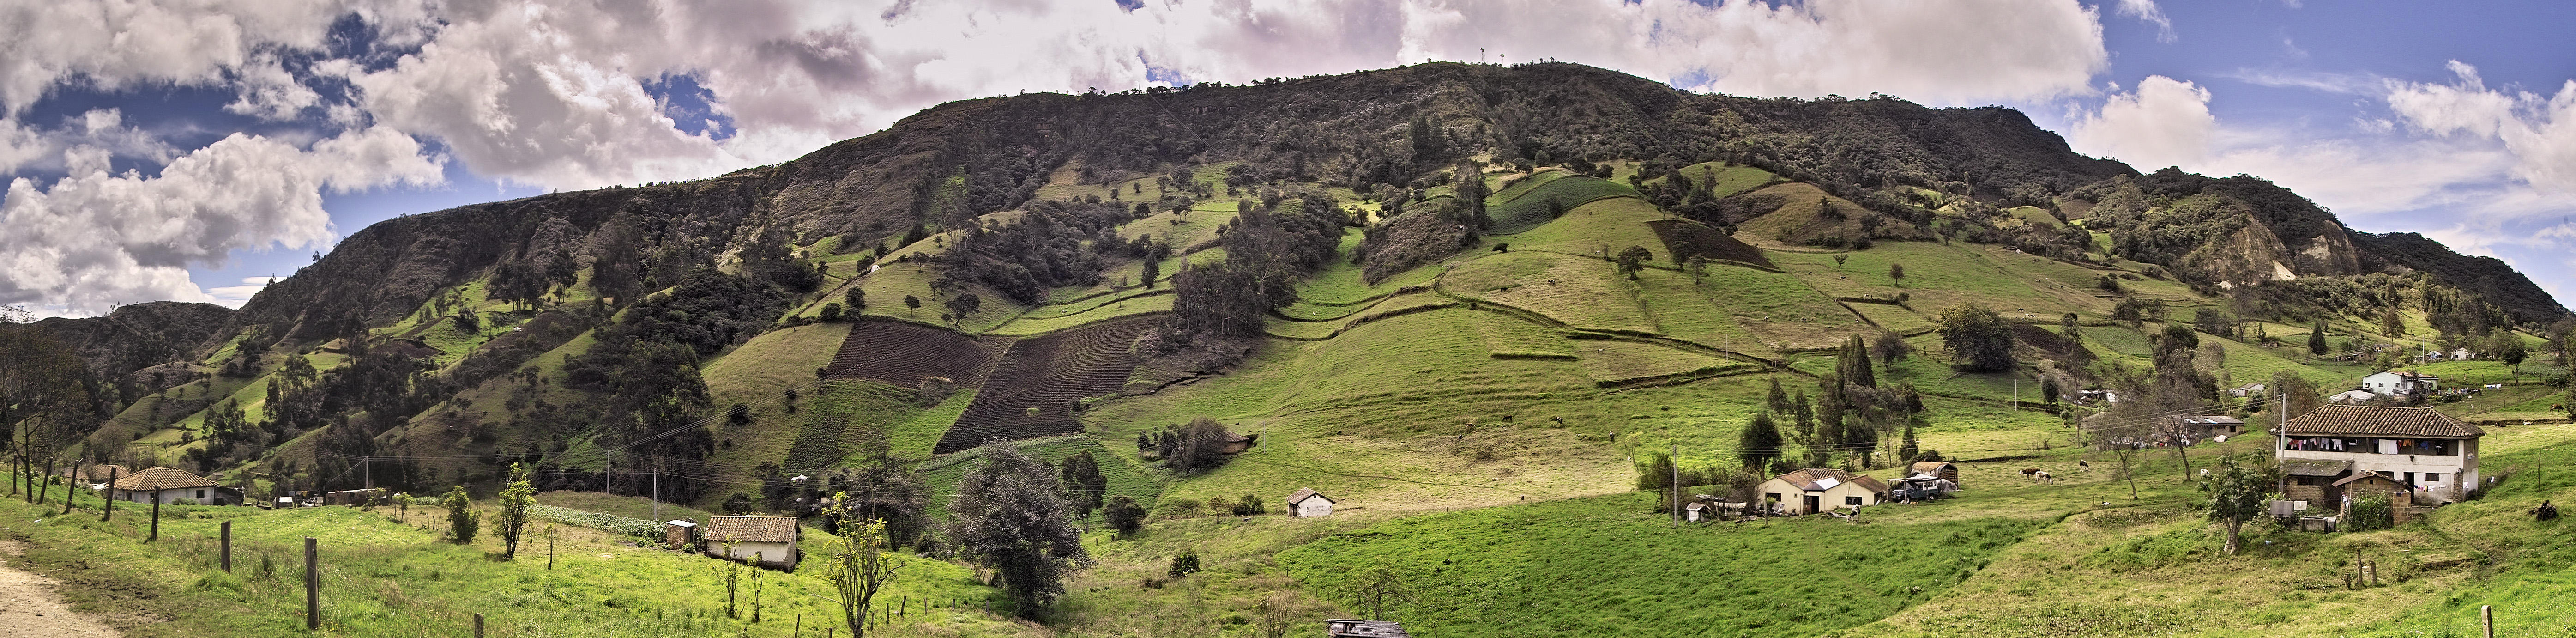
x=771 y=538
x=171 y=485
x=2352 y=396
x=1816 y=490
x=2247 y=390
x=2395 y=383
x=2463 y=354
x=1306 y=502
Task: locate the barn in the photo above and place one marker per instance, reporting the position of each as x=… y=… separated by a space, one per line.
x=767 y=541
x=1306 y=502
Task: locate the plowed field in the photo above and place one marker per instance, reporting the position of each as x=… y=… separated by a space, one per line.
x=1048 y=373
x=902 y=353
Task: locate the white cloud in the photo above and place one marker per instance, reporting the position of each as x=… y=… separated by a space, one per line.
x=2147 y=11
x=235 y=296
x=94 y=238
x=2166 y=122
x=2539 y=131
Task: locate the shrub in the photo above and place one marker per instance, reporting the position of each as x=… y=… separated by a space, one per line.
x=2370 y=513
x=1184 y=564
x=831 y=311
x=1250 y=505
x=1125 y=515
x=462 y=521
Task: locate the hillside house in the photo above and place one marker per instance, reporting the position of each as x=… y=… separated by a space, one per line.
x=2247 y=390
x=1308 y=503
x=2202 y=426
x=2352 y=396
x=171 y=485
x=1347 y=628
x=2428 y=451
x=2462 y=354
x=1816 y=490
x=773 y=538
x=2390 y=383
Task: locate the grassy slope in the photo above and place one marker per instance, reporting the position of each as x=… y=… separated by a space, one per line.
x=383 y=576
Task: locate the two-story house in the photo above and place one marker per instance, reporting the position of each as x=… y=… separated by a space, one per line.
x=2430 y=452
x=2390 y=383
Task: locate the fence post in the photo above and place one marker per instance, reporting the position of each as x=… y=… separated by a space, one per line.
x=478 y=626
x=227 y=555
x=2486 y=615
x=110 y=504
x=312 y=588
x=156 y=515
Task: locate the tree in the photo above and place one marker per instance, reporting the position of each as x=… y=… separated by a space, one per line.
x=1632 y=259
x=516 y=501
x=965 y=304
x=1979 y=340
x=1778 y=399
x=1201 y=446
x=1124 y=514
x=1852 y=364
x=1084 y=482
x=1010 y=517
x=2068 y=327
x=2237 y=493
x=2303 y=394
x=2508 y=347
x=1760 y=442
x=856 y=298
x=2317 y=338
x=858 y=565
x=1376 y=587
x=462 y=521
x=1890 y=348
x=831 y=312
x=910 y=301
x=1896 y=271
x=2392 y=325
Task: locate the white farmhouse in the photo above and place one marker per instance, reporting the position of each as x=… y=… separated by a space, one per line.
x=169 y=484
x=2433 y=454
x=1306 y=503
x=2389 y=383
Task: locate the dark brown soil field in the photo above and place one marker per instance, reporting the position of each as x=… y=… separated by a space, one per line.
x=1686 y=238
x=1048 y=372
x=901 y=353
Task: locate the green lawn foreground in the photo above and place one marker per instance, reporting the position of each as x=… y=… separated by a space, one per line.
x=388 y=573
x=1608 y=566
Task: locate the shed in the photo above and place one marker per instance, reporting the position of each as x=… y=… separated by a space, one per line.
x=1306 y=502
x=679 y=534
x=2312 y=480
x=1239 y=443
x=771 y=538
x=168 y=485
x=1346 y=628
x=1699 y=511
x=1944 y=471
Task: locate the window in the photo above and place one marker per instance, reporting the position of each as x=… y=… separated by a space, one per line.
x=201 y=494
x=1771 y=495
x=2432 y=477
x=1851 y=500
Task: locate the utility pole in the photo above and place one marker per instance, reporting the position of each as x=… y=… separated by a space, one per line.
x=1677 y=483
x=367 y=468
x=657 y=492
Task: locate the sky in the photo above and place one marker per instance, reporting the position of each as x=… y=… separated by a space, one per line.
x=191 y=149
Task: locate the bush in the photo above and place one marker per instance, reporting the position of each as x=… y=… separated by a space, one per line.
x=1125 y=515
x=462 y=521
x=1249 y=506
x=1184 y=564
x=831 y=311
x=2370 y=513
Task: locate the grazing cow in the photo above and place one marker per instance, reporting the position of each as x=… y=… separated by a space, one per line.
x=2084 y=465
x=2043 y=477
x=2029 y=472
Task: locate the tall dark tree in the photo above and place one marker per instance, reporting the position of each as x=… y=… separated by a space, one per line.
x=2317 y=338
x=1853 y=364
x=1083 y=481
x=1760 y=443
x=1777 y=399
x=1011 y=518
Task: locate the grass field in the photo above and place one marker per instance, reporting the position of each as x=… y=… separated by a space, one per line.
x=1495 y=572
x=387 y=572
x=1526 y=205
x=1578 y=291
x=1598 y=230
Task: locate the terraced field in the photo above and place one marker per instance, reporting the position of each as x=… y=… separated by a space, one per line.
x=901 y=354
x=1577 y=291
x=1526 y=204
x=1688 y=238
x=1032 y=391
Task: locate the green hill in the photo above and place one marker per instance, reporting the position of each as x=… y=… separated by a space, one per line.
x=1480 y=406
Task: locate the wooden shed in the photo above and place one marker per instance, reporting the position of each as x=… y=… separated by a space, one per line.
x=1942 y=470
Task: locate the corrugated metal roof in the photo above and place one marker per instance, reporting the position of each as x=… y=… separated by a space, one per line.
x=1302 y=494
x=2378 y=420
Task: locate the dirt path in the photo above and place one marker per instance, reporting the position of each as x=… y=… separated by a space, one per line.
x=29 y=608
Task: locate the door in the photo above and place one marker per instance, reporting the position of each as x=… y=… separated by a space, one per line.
x=1812 y=501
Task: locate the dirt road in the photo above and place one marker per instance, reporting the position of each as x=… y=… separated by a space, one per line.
x=29 y=608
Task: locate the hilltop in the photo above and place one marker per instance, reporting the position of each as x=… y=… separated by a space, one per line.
x=1455 y=297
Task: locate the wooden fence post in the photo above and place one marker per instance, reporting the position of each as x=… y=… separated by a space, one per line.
x=227 y=554
x=312 y=588
x=478 y=626
x=110 y=505
x=156 y=516
x=2486 y=615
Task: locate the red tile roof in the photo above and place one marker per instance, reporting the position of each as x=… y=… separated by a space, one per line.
x=2378 y=420
x=162 y=478
x=750 y=529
